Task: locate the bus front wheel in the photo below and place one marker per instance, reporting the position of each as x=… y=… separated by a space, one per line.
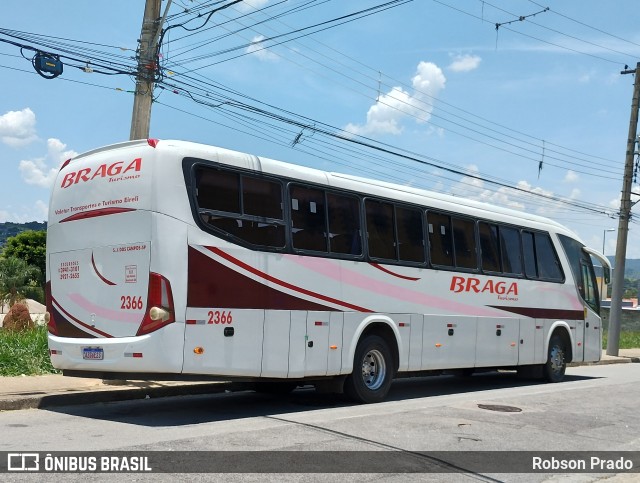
x=372 y=371
x=556 y=364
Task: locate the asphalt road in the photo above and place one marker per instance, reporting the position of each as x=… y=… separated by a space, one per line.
x=595 y=409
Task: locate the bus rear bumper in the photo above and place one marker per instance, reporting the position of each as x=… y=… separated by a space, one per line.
x=122 y=354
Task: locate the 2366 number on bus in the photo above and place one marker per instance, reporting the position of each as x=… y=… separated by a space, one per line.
x=219 y=317
x=128 y=302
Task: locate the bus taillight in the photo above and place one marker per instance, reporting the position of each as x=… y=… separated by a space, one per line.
x=160 y=311
x=48 y=316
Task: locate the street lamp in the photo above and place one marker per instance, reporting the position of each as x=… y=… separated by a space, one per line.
x=604 y=237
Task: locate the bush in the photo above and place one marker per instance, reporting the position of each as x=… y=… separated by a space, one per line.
x=18 y=318
x=25 y=352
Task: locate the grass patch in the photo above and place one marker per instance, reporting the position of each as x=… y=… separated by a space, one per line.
x=25 y=352
x=628 y=340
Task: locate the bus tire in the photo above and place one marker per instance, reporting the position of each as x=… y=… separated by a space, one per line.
x=556 y=364
x=372 y=371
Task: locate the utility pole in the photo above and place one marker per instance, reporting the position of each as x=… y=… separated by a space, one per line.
x=617 y=289
x=147 y=65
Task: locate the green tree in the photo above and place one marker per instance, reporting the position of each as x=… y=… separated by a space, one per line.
x=18 y=281
x=30 y=246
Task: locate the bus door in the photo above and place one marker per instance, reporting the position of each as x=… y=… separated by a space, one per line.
x=592 y=323
x=317 y=343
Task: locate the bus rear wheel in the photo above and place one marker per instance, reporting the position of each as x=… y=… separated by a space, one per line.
x=556 y=364
x=372 y=371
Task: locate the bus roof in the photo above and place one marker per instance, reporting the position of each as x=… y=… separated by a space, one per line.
x=345 y=181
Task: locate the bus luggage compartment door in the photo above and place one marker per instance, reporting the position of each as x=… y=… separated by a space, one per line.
x=223 y=341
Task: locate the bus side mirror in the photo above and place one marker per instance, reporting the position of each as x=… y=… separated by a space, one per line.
x=607 y=275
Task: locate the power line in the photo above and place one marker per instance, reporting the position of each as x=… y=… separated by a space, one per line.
x=588 y=26
x=331 y=131
x=191 y=47
x=529 y=36
x=327 y=24
x=428 y=114
x=331 y=157
x=554 y=30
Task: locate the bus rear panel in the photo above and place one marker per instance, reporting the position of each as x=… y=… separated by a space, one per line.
x=101 y=286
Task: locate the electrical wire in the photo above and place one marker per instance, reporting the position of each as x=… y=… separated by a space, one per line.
x=426 y=115
x=627 y=54
x=587 y=25
x=330 y=131
x=611 y=61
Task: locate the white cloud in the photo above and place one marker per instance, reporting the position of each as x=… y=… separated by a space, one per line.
x=41 y=210
x=465 y=63
x=42 y=171
x=472 y=188
x=584 y=78
x=385 y=116
x=571 y=176
x=18 y=128
x=38 y=212
x=260 y=51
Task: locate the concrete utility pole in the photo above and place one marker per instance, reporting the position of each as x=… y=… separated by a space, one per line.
x=147 y=64
x=617 y=288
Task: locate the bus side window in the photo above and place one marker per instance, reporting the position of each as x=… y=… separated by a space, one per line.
x=529 y=255
x=262 y=198
x=308 y=219
x=410 y=235
x=218 y=190
x=548 y=263
x=589 y=290
x=381 y=237
x=510 y=245
x=344 y=224
x=440 y=239
x=246 y=207
x=464 y=242
x=489 y=247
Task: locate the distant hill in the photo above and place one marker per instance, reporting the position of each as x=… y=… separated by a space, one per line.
x=9 y=229
x=631 y=267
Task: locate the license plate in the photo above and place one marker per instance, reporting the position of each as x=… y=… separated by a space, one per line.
x=93 y=353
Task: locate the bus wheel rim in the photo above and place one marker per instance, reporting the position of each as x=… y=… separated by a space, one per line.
x=557 y=359
x=374 y=369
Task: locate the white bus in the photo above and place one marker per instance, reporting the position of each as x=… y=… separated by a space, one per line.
x=174 y=260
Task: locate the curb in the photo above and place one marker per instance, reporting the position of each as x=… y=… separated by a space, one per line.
x=605 y=362
x=40 y=401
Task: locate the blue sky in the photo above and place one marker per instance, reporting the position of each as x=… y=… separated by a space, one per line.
x=433 y=78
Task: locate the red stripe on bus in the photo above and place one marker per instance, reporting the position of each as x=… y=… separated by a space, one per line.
x=537 y=313
x=213 y=284
x=86 y=326
x=94 y=213
x=105 y=280
x=385 y=270
x=282 y=283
